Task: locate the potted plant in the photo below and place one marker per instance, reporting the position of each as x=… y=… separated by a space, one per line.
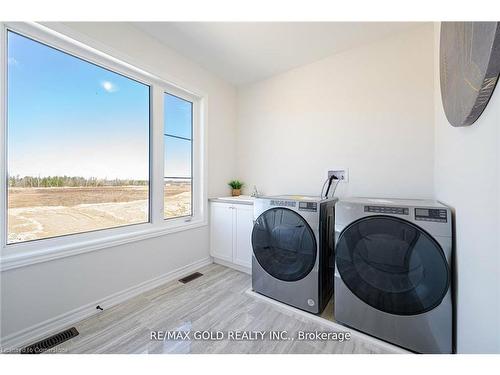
x=236 y=186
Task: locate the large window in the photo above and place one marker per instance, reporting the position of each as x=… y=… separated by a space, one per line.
x=98 y=152
x=78 y=144
x=178 y=135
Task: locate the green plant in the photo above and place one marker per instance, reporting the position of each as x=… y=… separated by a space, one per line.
x=235 y=184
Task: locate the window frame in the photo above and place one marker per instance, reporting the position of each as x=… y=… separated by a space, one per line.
x=25 y=253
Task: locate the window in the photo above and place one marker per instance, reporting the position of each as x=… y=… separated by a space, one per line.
x=178 y=134
x=78 y=144
x=98 y=152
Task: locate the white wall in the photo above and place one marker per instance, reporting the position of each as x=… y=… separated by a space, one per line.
x=31 y=295
x=369 y=109
x=467 y=178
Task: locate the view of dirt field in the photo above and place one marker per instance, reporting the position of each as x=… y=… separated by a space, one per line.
x=35 y=213
x=177 y=199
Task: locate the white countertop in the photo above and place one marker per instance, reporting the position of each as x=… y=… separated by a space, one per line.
x=241 y=199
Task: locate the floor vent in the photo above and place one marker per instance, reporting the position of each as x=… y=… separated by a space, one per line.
x=191 y=277
x=50 y=342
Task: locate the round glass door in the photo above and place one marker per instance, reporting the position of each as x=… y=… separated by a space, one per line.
x=392 y=265
x=284 y=244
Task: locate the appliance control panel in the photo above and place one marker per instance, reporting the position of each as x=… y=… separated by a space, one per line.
x=387 y=210
x=431 y=214
x=282 y=203
x=308 y=206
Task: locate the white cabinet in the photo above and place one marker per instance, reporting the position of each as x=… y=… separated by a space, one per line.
x=242 y=250
x=221 y=231
x=230 y=234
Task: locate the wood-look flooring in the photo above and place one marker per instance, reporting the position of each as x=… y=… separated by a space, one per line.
x=217 y=301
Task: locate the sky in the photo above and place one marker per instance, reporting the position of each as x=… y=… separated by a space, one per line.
x=178 y=123
x=69 y=117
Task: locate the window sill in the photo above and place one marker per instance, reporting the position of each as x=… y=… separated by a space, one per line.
x=27 y=258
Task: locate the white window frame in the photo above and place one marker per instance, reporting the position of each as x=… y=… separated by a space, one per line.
x=26 y=253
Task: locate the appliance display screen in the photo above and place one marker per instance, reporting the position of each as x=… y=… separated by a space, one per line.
x=421 y=212
x=431 y=214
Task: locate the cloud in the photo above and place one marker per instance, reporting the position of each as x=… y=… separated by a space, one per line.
x=108 y=86
x=12 y=61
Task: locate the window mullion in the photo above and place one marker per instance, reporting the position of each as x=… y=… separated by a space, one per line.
x=3 y=135
x=157 y=147
x=197 y=177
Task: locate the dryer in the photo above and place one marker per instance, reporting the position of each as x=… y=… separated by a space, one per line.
x=292 y=241
x=393 y=271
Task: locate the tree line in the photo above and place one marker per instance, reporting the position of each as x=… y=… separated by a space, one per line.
x=67 y=181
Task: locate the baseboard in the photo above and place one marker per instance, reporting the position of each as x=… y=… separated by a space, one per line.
x=58 y=323
x=336 y=326
x=233 y=266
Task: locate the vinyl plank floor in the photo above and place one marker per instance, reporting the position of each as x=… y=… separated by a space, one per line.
x=215 y=302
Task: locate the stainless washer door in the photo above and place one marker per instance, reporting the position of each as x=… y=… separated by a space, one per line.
x=392 y=265
x=284 y=244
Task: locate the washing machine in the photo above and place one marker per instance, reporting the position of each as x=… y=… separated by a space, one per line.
x=293 y=243
x=393 y=271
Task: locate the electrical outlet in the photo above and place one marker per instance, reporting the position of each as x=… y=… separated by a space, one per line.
x=341 y=174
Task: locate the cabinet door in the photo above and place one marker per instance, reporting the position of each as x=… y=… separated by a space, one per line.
x=243 y=231
x=221 y=231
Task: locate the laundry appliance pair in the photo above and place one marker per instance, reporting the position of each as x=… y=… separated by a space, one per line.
x=388 y=261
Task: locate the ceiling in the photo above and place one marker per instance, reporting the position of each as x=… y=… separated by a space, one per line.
x=245 y=52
